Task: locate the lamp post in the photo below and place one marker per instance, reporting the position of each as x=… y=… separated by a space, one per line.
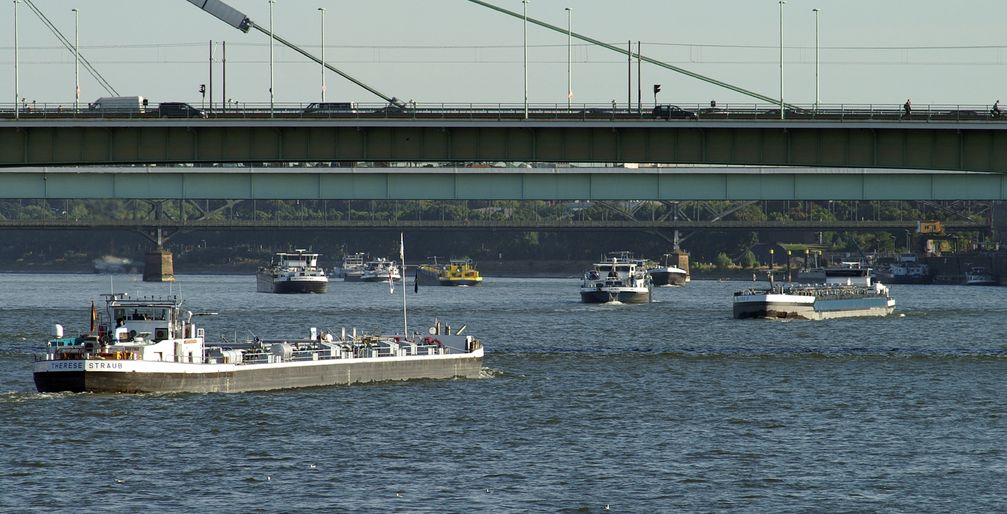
x=17 y=92
x=322 y=11
x=817 y=11
x=271 y=2
x=781 y=59
x=524 y=5
x=569 y=58
x=76 y=60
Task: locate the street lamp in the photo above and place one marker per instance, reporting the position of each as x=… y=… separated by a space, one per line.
x=569 y=58
x=17 y=88
x=817 y=12
x=322 y=11
x=76 y=60
x=524 y=5
x=781 y=59
x=271 y=2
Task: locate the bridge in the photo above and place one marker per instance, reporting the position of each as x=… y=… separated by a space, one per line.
x=171 y=226
x=310 y=182
x=949 y=141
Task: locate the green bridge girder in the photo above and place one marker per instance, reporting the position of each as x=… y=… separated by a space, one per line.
x=456 y=183
x=892 y=144
x=64 y=223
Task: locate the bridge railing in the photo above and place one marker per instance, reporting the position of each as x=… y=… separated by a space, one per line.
x=540 y=111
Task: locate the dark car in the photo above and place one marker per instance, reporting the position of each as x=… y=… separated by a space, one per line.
x=330 y=108
x=178 y=110
x=673 y=112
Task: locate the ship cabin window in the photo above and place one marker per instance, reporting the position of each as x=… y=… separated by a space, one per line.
x=623 y=269
x=160 y=334
x=141 y=313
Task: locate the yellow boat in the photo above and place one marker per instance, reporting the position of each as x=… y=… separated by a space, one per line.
x=458 y=272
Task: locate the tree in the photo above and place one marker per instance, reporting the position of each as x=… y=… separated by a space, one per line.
x=723 y=261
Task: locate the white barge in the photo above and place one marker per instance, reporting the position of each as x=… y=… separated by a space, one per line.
x=853 y=297
x=151 y=345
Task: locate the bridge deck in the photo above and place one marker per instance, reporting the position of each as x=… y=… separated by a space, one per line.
x=917 y=142
x=463 y=183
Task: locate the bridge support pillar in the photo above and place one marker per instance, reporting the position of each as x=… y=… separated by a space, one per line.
x=680 y=259
x=159 y=266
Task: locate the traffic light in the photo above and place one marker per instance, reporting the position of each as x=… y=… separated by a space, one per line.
x=657 y=88
x=202 y=89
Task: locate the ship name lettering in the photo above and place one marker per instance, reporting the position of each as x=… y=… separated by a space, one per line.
x=66 y=365
x=104 y=365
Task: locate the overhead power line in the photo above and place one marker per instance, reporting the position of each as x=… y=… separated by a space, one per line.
x=69 y=46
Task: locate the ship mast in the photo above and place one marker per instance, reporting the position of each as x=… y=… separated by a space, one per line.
x=402 y=258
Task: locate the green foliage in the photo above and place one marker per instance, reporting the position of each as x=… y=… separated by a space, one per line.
x=748 y=260
x=723 y=261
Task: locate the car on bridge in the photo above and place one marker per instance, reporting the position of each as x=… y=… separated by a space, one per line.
x=673 y=112
x=178 y=110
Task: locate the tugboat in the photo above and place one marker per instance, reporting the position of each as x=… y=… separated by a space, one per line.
x=906 y=270
x=352 y=268
x=151 y=345
x=980 y=276
x=381 y=270
x=618 y=279
x=458 y=272
x=668 y=274
x=296 y=272
x=837 y=298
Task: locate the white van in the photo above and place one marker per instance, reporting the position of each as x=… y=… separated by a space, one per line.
x=120 y=104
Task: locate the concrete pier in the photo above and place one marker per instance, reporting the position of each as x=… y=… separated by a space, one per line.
x=158 y=266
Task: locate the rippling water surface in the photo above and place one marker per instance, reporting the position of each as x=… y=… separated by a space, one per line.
x=663 y=407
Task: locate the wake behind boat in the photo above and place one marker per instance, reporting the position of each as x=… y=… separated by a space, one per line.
x=296 y=272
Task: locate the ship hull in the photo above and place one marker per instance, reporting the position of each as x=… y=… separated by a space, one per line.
x=161 y=377
x=609 y=295
x=380 y=279
x=460 y=282
x=432 y=278
x=266 y=284
x=907 y=279
x=788 y=307
x=661 y=278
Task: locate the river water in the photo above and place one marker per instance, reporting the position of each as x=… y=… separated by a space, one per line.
x=663 y=407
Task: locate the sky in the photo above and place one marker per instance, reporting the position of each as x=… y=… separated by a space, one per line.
x=434 y=52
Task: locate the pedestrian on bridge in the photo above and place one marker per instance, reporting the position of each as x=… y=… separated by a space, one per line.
x=908 y=106
x=995 y=111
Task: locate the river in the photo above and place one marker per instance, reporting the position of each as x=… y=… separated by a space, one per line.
x=662 y=407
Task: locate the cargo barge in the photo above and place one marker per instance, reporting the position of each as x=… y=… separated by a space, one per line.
x=151 y=345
